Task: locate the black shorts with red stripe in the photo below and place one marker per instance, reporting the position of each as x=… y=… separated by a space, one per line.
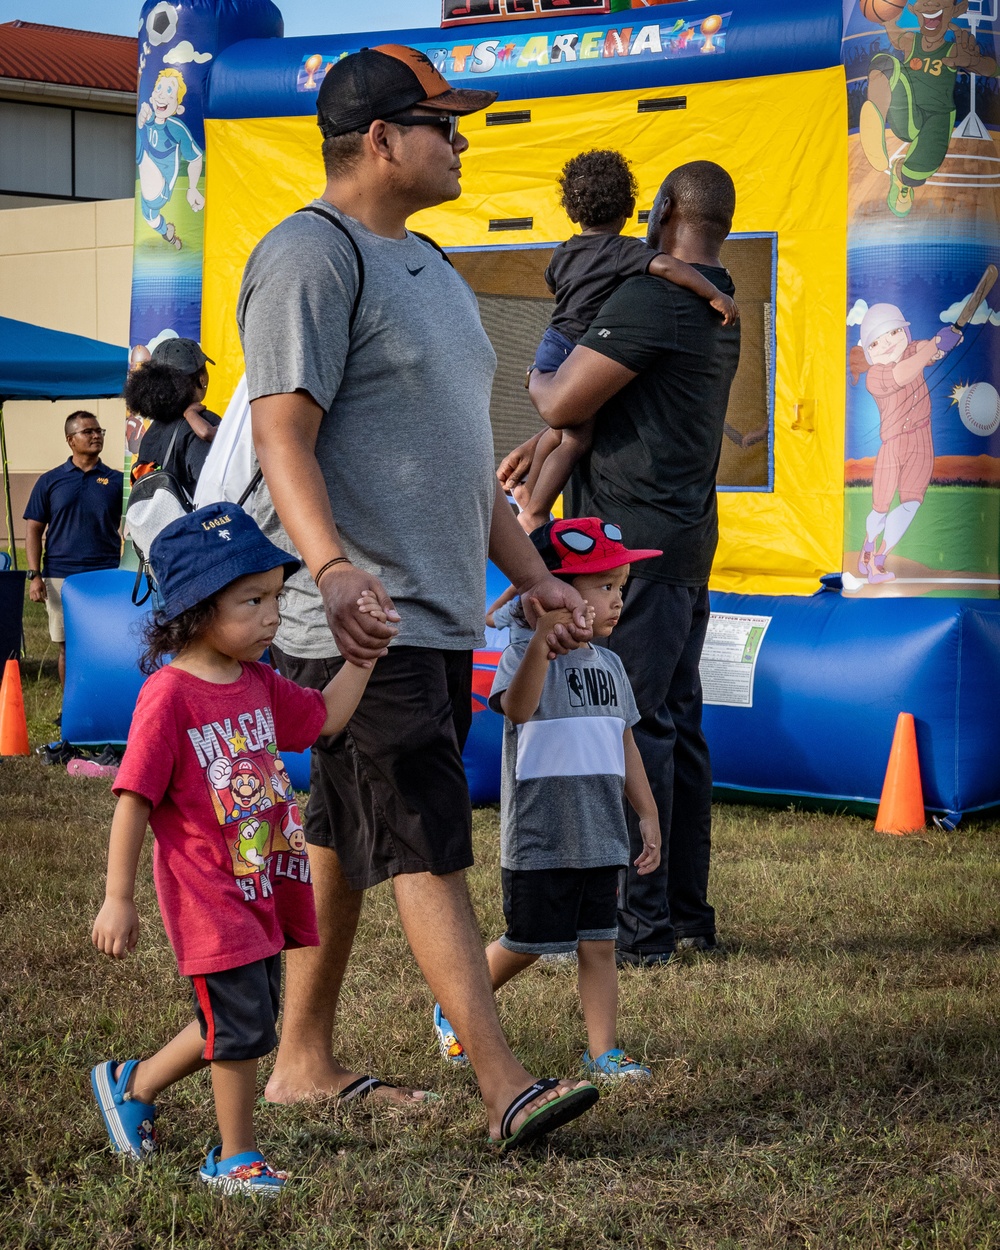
x=238 y=1009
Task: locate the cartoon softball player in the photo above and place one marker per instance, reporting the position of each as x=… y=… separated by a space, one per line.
x=162 y=142
x=894 y=366
x=915 y=96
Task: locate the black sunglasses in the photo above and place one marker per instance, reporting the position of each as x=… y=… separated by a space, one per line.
x=447 y=123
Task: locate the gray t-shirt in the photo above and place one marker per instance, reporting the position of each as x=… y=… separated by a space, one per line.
x=405 y=445
x=563 y=775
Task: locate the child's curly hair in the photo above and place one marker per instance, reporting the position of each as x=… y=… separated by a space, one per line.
x=159 y=392
x=169 y=638
x=598 y=187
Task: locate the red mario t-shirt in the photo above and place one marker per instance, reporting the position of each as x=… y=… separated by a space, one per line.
x=230 y=864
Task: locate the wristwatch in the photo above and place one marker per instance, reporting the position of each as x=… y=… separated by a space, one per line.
x=32 y=574
x=527 y=375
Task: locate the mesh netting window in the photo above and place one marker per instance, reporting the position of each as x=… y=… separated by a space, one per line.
x=516 y=305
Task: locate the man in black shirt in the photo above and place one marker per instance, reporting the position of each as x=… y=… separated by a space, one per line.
x=656 y=367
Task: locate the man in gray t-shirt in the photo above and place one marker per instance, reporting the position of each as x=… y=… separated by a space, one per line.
x=369 y=377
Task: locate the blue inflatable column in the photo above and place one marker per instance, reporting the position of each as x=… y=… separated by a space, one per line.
x=178 y=43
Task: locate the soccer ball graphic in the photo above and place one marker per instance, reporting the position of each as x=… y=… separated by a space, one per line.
x=161 y=24
x=979 y=407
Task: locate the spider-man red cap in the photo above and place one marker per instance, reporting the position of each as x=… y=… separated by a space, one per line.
x=574 y=546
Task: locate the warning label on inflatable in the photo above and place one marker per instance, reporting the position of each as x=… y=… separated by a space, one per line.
x=729 y=658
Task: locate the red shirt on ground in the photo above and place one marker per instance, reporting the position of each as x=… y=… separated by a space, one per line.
x=230 y=864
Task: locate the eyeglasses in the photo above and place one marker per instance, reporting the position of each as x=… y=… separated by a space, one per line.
x=447 y=123
x=89 y=432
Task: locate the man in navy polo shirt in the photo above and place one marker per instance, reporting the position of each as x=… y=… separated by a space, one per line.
x=78 y=509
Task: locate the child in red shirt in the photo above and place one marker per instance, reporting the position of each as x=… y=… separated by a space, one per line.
x=203 y=768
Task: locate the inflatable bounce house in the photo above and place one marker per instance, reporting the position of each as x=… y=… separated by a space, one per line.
x=857 y=573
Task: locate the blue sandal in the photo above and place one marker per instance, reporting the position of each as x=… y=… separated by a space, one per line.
x=452 y=1050
x=615 y=1065
x=246 y=1173
x=129 y=1122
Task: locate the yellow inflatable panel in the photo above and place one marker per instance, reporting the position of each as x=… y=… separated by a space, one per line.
x=784 y=142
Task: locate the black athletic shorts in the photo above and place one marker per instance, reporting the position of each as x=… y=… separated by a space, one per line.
x=389 y=794
x=550 y=910
x=238 y=1009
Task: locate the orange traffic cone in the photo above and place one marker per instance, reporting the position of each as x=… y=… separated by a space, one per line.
x=902 y=807
x=13 y=723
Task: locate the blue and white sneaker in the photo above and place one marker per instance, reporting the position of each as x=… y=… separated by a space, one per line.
x=452 y=1050
x=246 y=1173
x=615 y=1065
x=128 y=1121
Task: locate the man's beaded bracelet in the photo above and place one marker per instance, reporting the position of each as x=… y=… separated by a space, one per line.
x=329 y=565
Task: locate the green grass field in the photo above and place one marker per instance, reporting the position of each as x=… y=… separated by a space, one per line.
x=833 y=1083
x=955 y=528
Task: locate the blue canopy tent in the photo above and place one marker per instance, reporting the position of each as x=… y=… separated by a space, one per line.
x=47 y=364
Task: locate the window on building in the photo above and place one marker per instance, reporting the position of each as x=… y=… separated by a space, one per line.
x=515 y=305
x=54 y=152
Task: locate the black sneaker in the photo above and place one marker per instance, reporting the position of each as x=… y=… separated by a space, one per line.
x=702 y=944
x=60 y=752
x=655 y=959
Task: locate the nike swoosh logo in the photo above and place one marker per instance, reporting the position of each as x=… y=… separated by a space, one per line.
x=414 y=272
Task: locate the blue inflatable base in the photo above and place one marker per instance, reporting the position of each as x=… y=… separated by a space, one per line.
x=103 y=644
x=832 y=675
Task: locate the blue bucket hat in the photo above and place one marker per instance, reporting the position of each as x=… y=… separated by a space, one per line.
x=201 y=552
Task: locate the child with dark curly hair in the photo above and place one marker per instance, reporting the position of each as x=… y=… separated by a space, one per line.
x=203 y=767
x=181 y=427
x=598 y=194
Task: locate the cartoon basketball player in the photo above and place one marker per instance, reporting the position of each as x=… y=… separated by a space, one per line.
x=915 y=96
x=894 y=366
x=162 y=142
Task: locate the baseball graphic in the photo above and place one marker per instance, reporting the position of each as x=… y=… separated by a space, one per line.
x=979 y=407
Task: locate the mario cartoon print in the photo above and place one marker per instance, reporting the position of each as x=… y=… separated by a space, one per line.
x=913 y=94
x=162 y=142
x=894 y=364
x=240 y=787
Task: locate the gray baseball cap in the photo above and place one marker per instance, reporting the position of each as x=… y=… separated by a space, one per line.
x=182 y=354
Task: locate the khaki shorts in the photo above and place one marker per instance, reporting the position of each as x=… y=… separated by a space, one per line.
x=53 y=606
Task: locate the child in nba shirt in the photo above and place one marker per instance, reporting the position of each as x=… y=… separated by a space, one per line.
x=203 y=767
x=568 y=760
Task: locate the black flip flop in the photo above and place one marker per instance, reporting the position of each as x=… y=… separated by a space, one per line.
x=365 y=1085
x=551 y=1115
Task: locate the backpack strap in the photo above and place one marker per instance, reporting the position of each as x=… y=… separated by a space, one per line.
x=335 y=221
x=436 y=246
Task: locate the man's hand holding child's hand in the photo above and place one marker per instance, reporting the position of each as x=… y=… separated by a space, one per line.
x=546 y=622
x=369 y=604
x=649 y=860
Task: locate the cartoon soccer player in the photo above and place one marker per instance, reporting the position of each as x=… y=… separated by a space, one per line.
x=915 y=96
x=162 y=142
x=894 y=366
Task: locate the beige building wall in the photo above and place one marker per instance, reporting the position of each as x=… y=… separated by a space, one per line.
x=65 y=267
